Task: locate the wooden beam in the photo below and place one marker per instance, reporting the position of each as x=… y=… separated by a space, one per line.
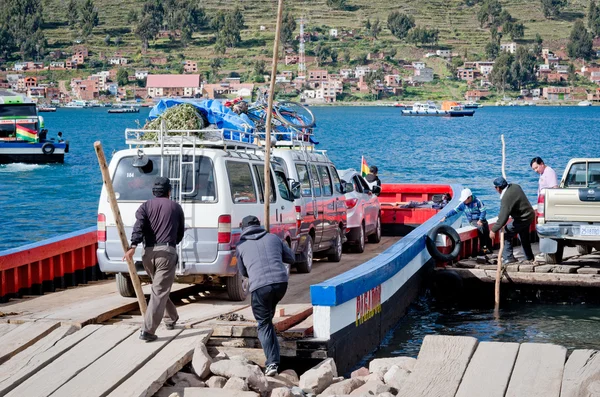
x=23 y=336
x=582 y=374
x=301 y=330
x=538 y=371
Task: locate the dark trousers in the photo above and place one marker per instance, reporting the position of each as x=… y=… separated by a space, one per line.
x=483 y=232
x=160 y=264
x=264 y=301
x=510 y=231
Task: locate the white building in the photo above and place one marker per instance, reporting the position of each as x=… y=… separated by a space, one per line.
x=509 y=47
x=141 y=74
x=362 y=71
x=543 y=66
x=309 y=94
x=20 y=66
x=101 y=81
x=117 y=61
x=443 y=53
x=418 y=65
x=347 y=73
x=333 y=32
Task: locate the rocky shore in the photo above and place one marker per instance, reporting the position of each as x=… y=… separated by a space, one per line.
x=236 y=376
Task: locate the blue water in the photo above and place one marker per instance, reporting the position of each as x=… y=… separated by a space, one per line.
x=42 y=201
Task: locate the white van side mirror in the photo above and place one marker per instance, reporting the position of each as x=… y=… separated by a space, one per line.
x=296 y=189
x=347 y=187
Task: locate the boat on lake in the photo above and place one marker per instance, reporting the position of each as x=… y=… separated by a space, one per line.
x=584 y=103
x=429 y=108
x=22 y=133
x=124 y=110
x=471 y=105
x=46 y=109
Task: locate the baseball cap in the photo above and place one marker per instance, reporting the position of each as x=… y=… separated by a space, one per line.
x=465 y=194
x=162 y=186
x=500 y=182
x=373 y=168
x=250 y=220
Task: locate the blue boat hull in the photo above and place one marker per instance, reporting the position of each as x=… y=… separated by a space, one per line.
x=33 y=153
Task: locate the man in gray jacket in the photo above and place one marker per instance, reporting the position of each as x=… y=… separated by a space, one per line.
x=261 y=257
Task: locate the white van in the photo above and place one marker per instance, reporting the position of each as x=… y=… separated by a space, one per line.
x=217 y=183
x=321 y=206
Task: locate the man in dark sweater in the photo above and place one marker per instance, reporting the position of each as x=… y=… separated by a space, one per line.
x=515 y=204
x=160 y=225
x=260 y=257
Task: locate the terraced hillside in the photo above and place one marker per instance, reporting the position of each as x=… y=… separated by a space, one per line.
x=457 y=23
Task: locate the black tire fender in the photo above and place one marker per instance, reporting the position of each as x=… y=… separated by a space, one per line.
x=432 y=248
x=67 y=147
x=48 y=148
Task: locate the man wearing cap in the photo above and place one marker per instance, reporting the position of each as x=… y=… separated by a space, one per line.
x=475 y=213
x=160 y=225
x=372 y=178
x=515 y=204
x=261 y=257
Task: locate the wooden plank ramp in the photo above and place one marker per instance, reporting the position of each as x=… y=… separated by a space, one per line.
x=538 y=371
x=23 y=336
x=581 y=376
x=300 y=330
x=440 y=366
x=60 y=371
x=489 y=370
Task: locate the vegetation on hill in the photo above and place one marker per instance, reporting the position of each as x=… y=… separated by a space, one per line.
x=236 y=37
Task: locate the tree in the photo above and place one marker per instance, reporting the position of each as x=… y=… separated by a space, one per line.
x=259 y=67
x=336 y=4
x=580 y=42
x=523 y=67
x=489 y=12
x=423 y=36
x=215 y=65
x=227 y=28
x=132 y=16
x=362 y=59
x=72 y=14
x=88 y=18
x=516 y=30
x=537 y=45
x=122 y=77
x=107 y=40
x=21 y=28
x=150 y=22
x=321 y=53
x=594 y=18
x=333 y=54
x=288 y=27
x=552 y=8
x=375 y=29
x=346 y=56
x=501 y=76
x=572 y=73
x=399 y=24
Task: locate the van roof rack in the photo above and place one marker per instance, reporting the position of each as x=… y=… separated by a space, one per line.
x=221 y=138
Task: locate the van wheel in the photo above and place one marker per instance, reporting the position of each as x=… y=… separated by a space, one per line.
x=584 y=249
x=557 y=257
x=237 y=287
x=336 y=256
x=360 y=244
x=125 y=285
x=305 y=266
x=376 y=237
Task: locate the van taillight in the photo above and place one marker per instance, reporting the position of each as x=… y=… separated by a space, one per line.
x=224 y=229
x=101 y=228
x=541 y=203
x=298 y=216
x=350 y=203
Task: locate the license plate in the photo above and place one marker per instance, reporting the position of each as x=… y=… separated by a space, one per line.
x=589 y=230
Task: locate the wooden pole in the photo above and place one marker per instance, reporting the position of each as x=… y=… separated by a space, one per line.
x=499 y=268
x=120 y=228
x=267 y=189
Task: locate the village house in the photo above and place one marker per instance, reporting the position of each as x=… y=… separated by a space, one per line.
x=82 y=50
x=485 y=67
x=141 y=74
x=556 y=93
x=158 y=61
x=509 y=47
x=173 y=85
x=308 y=94
x=221 y=90
x=317 y=75
x=70 y=64
x=101 y=79
x=262 y=28
x=594 y=95
x=418 y=65
x=372 y=56
x=422 y=75
x=281 y=79
x=476 y=95
x=333 y=33
x=56 y=65
x=443 y=53
x=117 y=61
x=347 y=73
x=465 y=74
x=291 y=59
x=190 y=67
x=233 y=80
x=86 y=90
x=36 y=92
x=288 y=74
x=392 y=80
x=325 y=94
x=361 y=71
x=26 y=82
x=19 y=66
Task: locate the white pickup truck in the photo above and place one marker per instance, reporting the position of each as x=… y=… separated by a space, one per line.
x=570 y=214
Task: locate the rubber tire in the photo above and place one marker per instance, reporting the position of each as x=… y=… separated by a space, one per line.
x=125 y=285
x=584 y=249
x=337 y=249
x=237 y=287
x=557 y=257
x=376 y=237
x=432 y=249
x=360 y=243
x=306 y=265
x=48 y=148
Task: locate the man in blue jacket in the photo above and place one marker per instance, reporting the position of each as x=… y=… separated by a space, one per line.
x=475 y=213
x=261 y=256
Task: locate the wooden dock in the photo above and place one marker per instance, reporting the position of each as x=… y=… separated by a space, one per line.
x=84 y=341
x=460 y=366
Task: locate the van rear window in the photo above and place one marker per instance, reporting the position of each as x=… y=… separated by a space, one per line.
x=135 y=183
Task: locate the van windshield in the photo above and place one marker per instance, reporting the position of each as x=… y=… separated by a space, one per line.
x=135 y=183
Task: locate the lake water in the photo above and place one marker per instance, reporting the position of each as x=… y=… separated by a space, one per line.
x=40 y=202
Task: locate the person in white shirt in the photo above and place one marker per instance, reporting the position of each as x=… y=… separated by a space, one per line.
x=547 y=174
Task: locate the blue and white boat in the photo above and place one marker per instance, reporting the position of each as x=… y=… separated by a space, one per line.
x=448 y=109
x=22 y=134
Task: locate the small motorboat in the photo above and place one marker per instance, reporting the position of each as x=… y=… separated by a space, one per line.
x=584 y=103
x=46 y=109
x=448 y=109
x=124 y=110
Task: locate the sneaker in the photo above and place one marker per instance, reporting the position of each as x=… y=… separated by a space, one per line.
x=171 y=326
x=540 y=258
x=271 y=370
x=147 y=336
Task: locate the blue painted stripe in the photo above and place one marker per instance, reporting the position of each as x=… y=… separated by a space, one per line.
x=384 y=266
x=4 y=145
x=48 y=241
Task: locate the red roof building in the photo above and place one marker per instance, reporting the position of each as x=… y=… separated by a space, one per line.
x=173 y=85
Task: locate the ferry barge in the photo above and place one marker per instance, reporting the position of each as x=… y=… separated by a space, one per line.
x=22 y=134
x=448 y=109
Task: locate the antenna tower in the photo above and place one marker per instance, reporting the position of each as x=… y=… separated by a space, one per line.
x=301 y=60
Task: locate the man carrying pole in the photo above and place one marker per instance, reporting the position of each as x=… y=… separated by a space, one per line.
x=160 y=225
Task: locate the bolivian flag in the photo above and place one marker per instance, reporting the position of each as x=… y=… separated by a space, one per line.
x=26 y=134
x=364 y=168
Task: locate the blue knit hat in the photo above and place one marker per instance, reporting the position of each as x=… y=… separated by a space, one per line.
x=500 y=182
